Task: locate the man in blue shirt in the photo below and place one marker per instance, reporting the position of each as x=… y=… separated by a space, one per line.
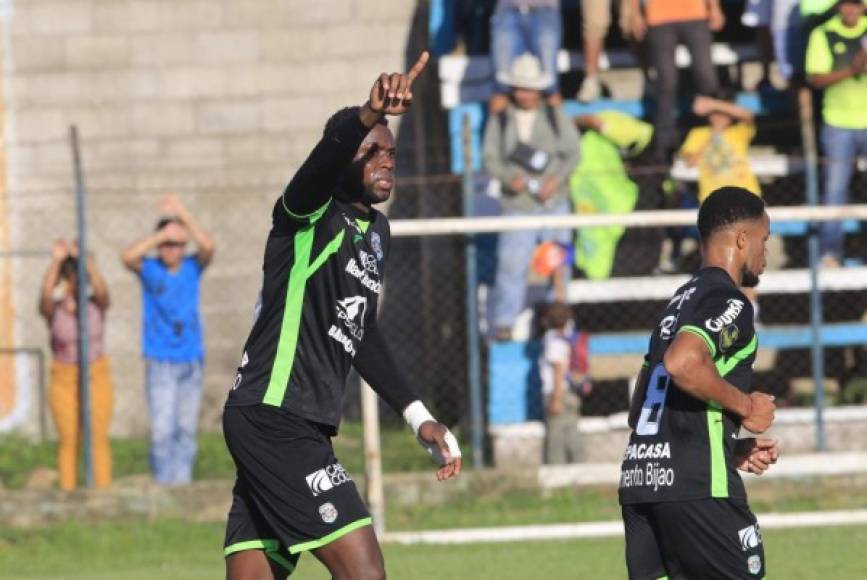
x=172 y=336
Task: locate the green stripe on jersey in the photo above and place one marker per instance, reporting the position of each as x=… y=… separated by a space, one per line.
x=701 y=334
x=719 y=482
x=362 y=224
x=726 y=364
x=286 y=346
x=329 y=249
x=719 y=479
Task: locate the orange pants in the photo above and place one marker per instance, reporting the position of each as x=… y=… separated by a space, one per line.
x=64 y=397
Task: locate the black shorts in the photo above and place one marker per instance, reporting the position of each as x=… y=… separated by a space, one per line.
x=706 y=538
x=291 y=494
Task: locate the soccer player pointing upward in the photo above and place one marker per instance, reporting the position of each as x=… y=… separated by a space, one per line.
x=684 y=505
x=323 y=269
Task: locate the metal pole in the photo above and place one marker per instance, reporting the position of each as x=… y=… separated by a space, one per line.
x=808 y=136
x=473 y=356
x=373 y=458
x=82 y=301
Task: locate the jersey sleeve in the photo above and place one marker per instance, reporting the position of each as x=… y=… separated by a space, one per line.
x=720 y=319
x=557 y=350
x=819 y=59
x=149 y=272
x=694 y=142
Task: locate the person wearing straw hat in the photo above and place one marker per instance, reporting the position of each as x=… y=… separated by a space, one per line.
x=531 y=148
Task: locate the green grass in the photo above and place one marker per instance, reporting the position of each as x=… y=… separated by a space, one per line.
x=171 y=550
x=496 y=507
x=18 y=457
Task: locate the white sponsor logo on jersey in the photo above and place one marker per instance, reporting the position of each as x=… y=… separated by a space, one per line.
x=369 y=262
x=338 y=335
x=730 y=315
x=351 y=312
x=354 y=270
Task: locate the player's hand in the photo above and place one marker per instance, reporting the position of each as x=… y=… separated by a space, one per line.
x=443 y=447
x=60 y=250
x=756 y=455
x=391 y=94
x=761 y=413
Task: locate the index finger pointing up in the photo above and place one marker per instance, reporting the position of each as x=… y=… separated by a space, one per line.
x=418 y=66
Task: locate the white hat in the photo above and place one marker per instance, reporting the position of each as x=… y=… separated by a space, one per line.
x=526 y=73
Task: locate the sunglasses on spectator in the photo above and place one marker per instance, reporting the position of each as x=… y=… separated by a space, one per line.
x=173 y=244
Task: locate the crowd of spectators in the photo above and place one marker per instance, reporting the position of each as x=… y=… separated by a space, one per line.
x=172 y=345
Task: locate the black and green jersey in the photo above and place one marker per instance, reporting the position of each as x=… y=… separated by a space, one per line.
x=323 y=272
x=682 y=447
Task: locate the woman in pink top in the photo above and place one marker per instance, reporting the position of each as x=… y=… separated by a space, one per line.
x=58 y=304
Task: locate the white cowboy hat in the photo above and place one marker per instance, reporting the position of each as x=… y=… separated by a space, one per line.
x=526 y=73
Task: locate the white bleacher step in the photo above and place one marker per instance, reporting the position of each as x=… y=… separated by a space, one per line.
x=663 y=287
x=467 y=78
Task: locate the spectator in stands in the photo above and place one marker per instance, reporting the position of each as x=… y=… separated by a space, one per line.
x=531 y=148
x=58 y=304
x=562 y=400
x=837 y=62
x=779 y=35
x=720 y=149
x=595 y=21
x=721 y=153
x=525 y=26
x=172 y=333
x=667 y=23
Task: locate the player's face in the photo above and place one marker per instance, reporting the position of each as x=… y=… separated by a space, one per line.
x=756 y=249
x=376 y=157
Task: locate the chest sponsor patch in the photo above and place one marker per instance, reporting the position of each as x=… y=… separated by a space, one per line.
x=733 y=309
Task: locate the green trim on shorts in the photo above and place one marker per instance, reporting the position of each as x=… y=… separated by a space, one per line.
x=313 y=544
x=271 y=548
x=701 y=334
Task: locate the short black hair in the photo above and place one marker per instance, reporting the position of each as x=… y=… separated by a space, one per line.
x=726 y=206
x=344 y=114
x=166 y=220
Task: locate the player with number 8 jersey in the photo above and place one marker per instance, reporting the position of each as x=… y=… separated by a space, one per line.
x=684 y=504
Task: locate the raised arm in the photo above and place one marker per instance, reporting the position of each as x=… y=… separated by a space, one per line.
x=171 y=205
x=97 y=284
x=313 y=184
x=59 y=252
x=133 y=255
x=704 y=106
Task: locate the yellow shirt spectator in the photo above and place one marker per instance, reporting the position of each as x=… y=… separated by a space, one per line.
x=721 y=157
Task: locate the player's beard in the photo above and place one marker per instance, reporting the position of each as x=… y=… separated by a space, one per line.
x=748 y=278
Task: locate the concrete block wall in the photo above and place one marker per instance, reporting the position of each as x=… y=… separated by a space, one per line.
x=218 y=101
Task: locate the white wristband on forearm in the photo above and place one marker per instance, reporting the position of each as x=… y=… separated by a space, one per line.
x=416 y=414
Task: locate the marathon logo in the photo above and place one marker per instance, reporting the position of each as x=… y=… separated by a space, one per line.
x=338 y=335
x=647 y=451
x=731 y=313
x=353 y=269
x=327 y=478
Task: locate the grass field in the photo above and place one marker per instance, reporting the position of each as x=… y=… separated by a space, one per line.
x=400 y=452
x=184 y=551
